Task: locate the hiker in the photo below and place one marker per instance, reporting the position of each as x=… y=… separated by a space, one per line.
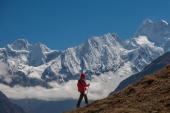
x=82 y=87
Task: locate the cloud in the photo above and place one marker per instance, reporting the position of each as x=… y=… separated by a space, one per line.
x=100 y=87
x=3 y=69
x=4 y=75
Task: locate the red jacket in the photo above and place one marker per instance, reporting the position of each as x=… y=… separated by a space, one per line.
x=82 y=86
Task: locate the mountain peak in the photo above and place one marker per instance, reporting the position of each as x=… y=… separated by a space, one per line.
x=151 y=22
x=42 y=47
x=147 y=21
x=21 y=40
x=106 y=39
x=20 y=44
x=107 y=35
x=164 y=22
x=156 y=32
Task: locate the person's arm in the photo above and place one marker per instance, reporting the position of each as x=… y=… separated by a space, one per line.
x=87 y=85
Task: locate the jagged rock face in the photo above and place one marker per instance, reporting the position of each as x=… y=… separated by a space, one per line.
x=150 y=94
x=157 y=32
x=98 y=52
x=96 y=56
x=7 y=107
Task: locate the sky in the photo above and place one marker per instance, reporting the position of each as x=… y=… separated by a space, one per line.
x=65 y=23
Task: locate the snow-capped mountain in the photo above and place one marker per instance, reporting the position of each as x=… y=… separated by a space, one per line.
x=98 y=55
x=31 y=65
x=37 y=65
x=157 y=32
x=38 y=72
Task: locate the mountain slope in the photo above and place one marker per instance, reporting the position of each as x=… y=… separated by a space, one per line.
x=157 y=64
x=149 y=95
x=7 y=107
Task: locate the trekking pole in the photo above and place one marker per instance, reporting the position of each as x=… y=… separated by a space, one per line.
x=87 y=89
x=89 y=85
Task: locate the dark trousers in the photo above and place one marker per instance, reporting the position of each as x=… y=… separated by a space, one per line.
x=82 y=94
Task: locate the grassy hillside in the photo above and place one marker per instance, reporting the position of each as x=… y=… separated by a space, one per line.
x=149 y=95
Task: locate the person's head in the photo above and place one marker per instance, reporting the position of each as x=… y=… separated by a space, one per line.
x=82 y=76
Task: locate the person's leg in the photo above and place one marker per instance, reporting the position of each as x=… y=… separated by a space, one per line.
x=85 y=98
x=80 y=99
